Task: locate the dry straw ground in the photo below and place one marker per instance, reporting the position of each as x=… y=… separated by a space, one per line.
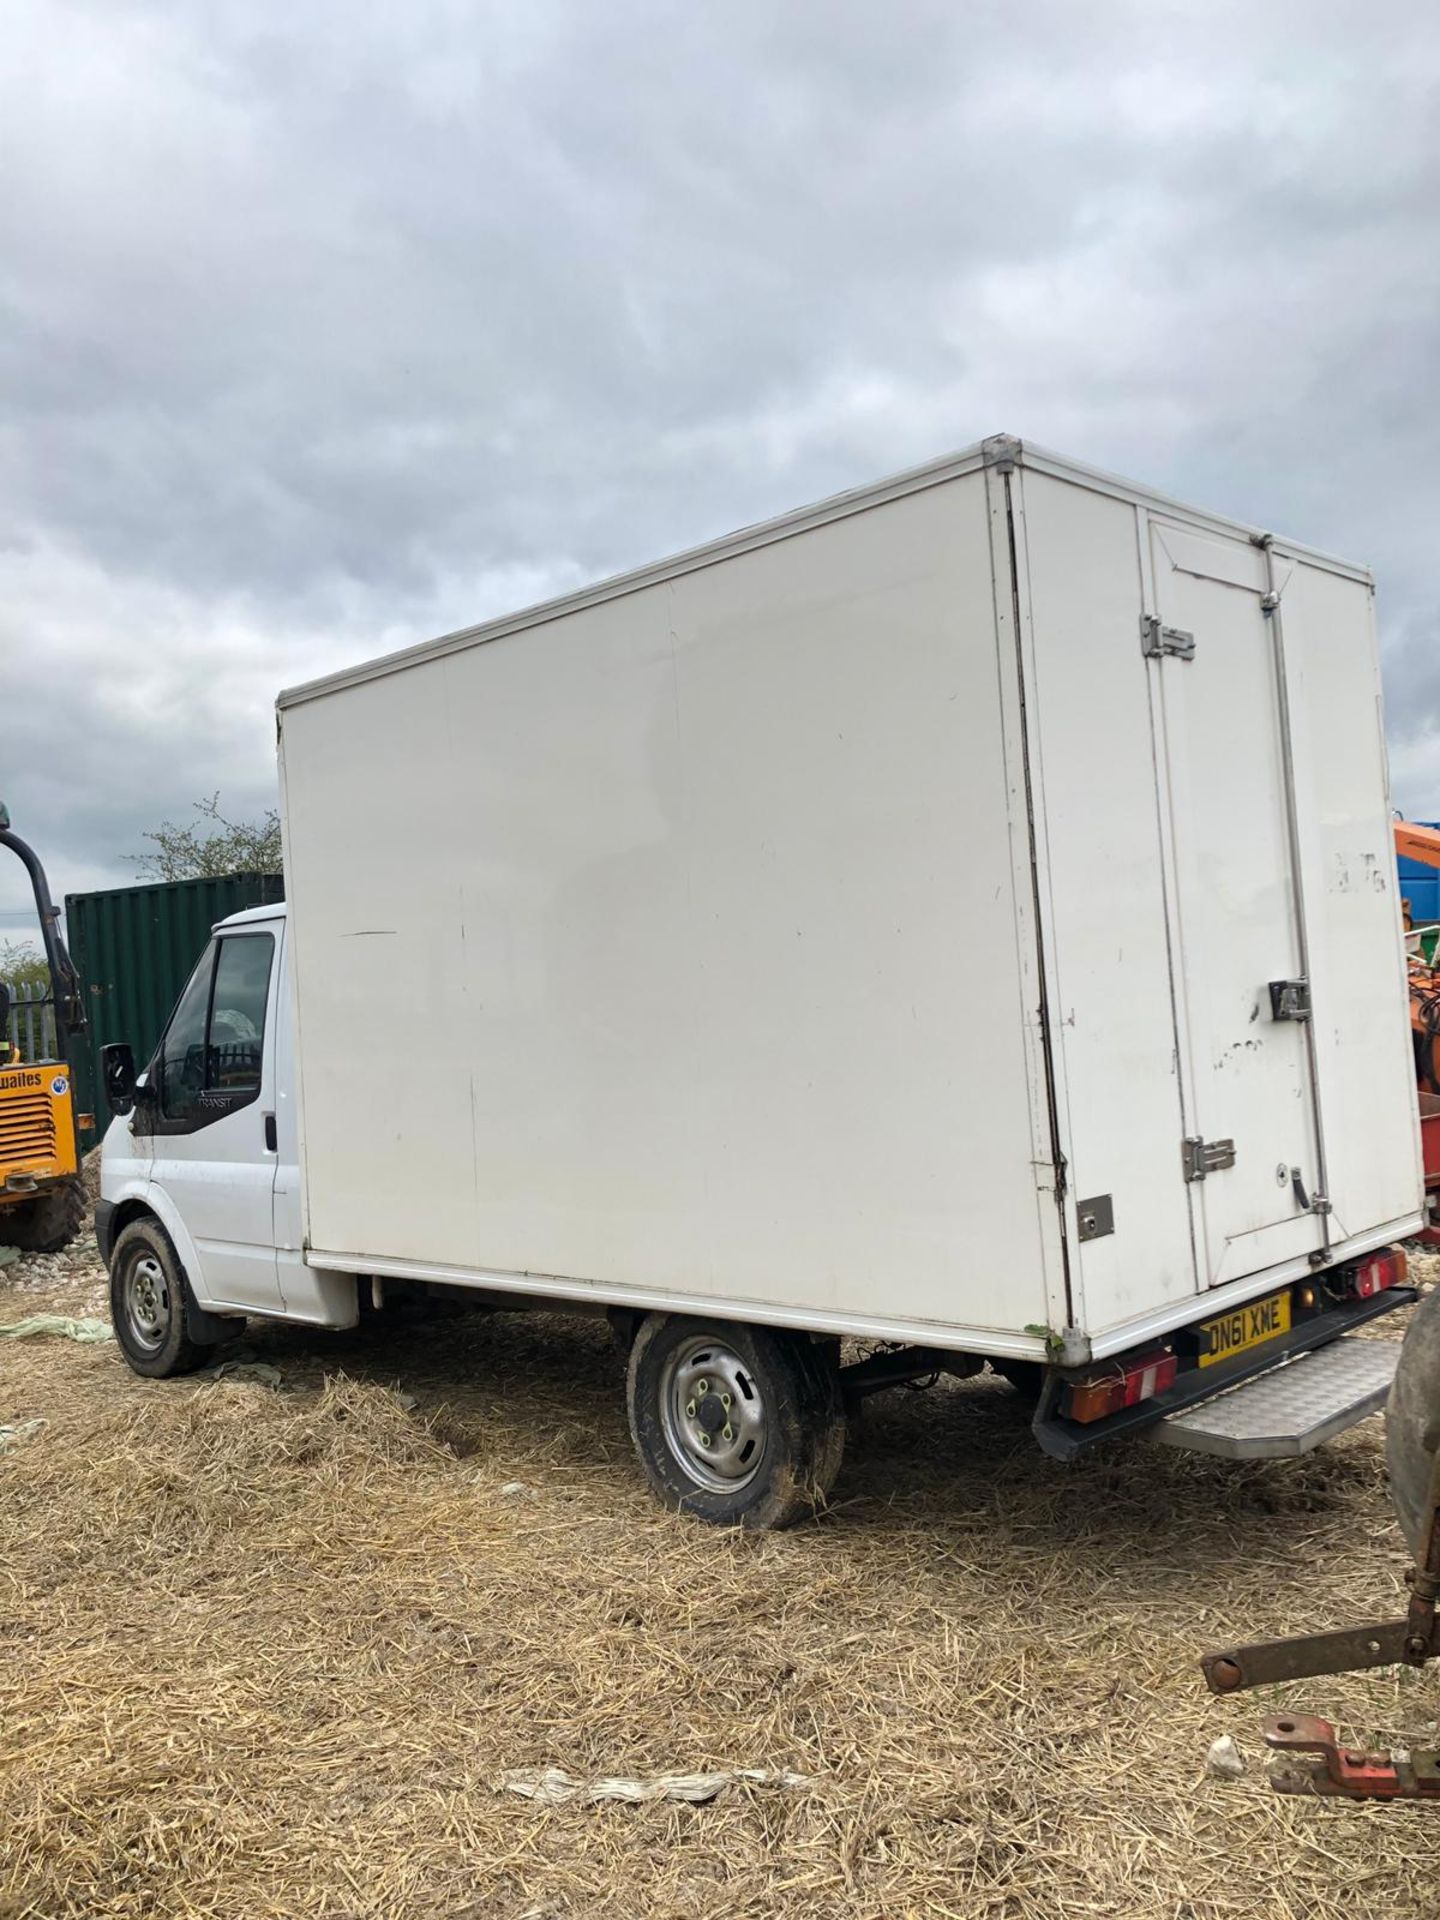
x=268 y=1652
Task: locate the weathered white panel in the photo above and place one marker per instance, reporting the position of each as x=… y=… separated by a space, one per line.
x=677 y=940
x=1236 y=563
x=1237 y=914
x=1362 y=1034
x=1114 y=1024
x=672 y=942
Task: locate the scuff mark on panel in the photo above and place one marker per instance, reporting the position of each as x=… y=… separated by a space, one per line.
x=1370 y=876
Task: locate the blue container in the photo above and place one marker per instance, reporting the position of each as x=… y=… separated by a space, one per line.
x=1420 y=885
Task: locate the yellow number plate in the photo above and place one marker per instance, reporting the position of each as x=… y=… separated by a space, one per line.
x=1248 y=1326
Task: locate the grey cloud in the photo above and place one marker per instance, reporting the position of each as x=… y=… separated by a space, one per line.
x=322 y=329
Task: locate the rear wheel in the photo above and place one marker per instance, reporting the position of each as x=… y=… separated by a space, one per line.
x=1412 y=1419
x=150 y=1304
x=740 y=1426
x=48 y=1221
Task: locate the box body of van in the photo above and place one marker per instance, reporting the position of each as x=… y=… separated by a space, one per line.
x=961 y=914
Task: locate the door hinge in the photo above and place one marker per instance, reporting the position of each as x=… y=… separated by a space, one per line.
x=1206 y=1156
x=1157 y=640
x=1289 y=999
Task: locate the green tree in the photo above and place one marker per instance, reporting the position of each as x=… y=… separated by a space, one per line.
x=23 y=965
x=211 y=846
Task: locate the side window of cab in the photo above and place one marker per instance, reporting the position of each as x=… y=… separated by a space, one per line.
x=178 y=1074
x=236 y=1038
x=209 y=1061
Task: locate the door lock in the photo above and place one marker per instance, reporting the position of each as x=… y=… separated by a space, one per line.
x=1289 y=999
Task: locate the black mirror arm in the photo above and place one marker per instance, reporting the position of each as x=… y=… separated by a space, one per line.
x=64 y=980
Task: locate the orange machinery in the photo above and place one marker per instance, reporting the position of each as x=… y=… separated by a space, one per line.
x=1417 y=843
x=1423 y=844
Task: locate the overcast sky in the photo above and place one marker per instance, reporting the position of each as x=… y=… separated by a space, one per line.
x=327 y=327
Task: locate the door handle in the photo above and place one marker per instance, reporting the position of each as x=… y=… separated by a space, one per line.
x=272 y=1144
x=1307 y=1203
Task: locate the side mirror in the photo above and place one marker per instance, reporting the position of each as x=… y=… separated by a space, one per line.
x=117 y=1067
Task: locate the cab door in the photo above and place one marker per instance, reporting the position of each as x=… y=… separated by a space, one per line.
x=212 y=1106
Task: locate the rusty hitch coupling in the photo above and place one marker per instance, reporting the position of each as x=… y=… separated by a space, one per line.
x=1388 y=1643
x=1350 y=1773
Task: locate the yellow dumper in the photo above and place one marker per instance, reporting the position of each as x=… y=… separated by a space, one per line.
x=42 y=1201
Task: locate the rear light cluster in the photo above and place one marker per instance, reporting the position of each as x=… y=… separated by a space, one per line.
x=1135 y=1378
x=1382 y=1270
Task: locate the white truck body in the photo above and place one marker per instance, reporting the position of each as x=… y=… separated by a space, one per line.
x=845 y=926
x=961 y=915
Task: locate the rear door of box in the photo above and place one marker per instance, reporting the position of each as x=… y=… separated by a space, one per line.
x=1253 y=1103
x=1289 y=950
x=1102 y=882
x=1213 y=843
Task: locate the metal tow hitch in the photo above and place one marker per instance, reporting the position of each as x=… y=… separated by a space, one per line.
x=1356 y=1774
x=1350 y=1773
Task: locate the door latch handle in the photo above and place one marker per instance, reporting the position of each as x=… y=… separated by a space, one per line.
x=272 y=1144
x=1302 y=1199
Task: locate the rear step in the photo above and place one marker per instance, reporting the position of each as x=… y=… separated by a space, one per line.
x=1293 y=1408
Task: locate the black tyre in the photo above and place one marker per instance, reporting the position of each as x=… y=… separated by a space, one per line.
x=47 y=1222
x=1412 y=1418
x=740 y=1426
x=151 y=1306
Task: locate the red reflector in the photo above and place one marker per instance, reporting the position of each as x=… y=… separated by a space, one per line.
x=1387 y=1269
x=1129 y=1382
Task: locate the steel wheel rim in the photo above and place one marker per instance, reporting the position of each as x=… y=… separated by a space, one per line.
x=713 y=1415
x=147 y=1303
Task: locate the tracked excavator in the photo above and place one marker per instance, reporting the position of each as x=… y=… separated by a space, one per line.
x=1313 y=1759
x=42 y=1200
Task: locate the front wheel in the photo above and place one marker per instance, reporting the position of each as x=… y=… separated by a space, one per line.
x=149 y=1304
x=739 y=1426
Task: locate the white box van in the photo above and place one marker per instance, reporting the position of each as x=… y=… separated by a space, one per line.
x=959 y=917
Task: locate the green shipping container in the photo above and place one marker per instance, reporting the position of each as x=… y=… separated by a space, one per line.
x=134 y=949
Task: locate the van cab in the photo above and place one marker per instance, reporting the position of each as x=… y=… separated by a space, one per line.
x=200 y=1178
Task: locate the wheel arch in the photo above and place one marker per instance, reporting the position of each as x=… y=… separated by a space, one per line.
x=126 y=1213
x=155 y=1204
